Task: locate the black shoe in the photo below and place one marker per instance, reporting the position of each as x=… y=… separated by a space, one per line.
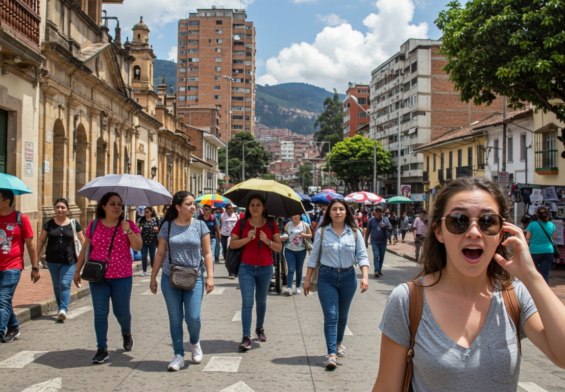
x=128 y=342
x=101 y=356
x=245 y=343
x=260 y=332
x=380 y=273
x=376 y=274
x=11 y=336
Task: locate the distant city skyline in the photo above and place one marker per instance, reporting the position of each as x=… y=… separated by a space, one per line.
x=344 y=41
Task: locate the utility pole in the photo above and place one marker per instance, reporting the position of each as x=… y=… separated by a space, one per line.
x=375 y=165
x=228 y=79
x=504 y=137
x=399 y=148
x=243 y=160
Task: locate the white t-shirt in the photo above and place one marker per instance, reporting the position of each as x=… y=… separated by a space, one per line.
x=227 y=223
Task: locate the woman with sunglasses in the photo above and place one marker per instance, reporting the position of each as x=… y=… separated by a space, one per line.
x=149 y=226
x=465 y=336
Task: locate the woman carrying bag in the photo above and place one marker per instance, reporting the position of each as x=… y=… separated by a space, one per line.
x=108 y=268
x=184 y=252
x=338 y=245
x=149 y=224
x=539 y=236
x=64 y=242
x=299 y=242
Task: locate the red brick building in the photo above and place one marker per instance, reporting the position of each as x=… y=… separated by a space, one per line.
x=353 y=116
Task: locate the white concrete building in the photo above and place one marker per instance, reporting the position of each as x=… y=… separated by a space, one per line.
x=287 y=150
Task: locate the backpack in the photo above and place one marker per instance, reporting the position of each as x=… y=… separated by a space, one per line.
x=416 y=307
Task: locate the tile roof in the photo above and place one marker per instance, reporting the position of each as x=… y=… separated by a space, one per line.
x=477 y=128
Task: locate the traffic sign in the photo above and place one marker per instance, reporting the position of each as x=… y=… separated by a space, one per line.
x=503 y=178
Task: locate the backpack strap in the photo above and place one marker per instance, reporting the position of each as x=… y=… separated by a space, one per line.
x=513 y=309
x=92 y=228
x=416 y=307
x=21 y=226
x=242 y=223
x=271 y=225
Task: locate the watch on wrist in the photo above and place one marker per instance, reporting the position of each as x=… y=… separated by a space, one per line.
x=130 y=232
x=270 y=243
x=35 y=268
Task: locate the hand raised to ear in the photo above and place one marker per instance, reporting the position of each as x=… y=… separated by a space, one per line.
x=521 y=264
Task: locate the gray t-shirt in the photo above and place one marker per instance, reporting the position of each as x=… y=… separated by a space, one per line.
x=492 y=362
x=186 y=244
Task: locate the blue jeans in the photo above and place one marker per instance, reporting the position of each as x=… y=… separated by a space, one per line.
x=216 y=250
x=394 y=234
x=213 y=248
x=252 y=277
x=9 y=280
x=336 y=289
x=543 y=263
x=295 y=262
x=183 y=304
x=151 y=248
x=119 y=291
x=403 y=233
x=62 y=277
x=379 y=255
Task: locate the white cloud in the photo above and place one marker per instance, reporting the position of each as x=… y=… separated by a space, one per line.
x=173 y=53
x=303 y=1
x=160 y=36
x=168 y=11
x=331 y=19
x=341 y=54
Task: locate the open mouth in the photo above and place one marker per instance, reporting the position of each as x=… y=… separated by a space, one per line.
x=473 y=253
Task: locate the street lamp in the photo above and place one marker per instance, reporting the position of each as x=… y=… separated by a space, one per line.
x=243 y=160
x=228 y=79
x=354 y=99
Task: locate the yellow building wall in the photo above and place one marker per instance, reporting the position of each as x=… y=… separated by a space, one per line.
x=541 y=119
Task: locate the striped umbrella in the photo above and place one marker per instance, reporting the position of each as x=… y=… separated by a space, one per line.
x=362 y=197
x=213 y=200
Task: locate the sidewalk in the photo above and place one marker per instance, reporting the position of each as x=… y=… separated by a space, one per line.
x=405 y=249
x=33 y=300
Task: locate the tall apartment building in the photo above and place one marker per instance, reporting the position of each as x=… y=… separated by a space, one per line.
x=287 y=150
x=411 y=91
x=216 y=66
x=353 y=116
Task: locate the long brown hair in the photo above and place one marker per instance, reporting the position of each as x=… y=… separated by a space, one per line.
x=434 y=257
x=349 y=220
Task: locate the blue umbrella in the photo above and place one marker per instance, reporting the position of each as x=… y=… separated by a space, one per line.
x=304 y=197
x=325 y=197
x=14 y=184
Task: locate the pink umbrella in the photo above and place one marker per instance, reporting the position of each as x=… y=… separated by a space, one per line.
x=363 y=197
x=329 y=191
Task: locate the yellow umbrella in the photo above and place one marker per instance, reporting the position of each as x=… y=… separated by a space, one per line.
x=280 y=199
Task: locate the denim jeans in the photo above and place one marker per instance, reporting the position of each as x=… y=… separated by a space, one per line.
x=62 y=277
x=295 y=262
x=213 y=248
x=379 y=251
x=151 y=248
x=403 y=233
x=543 y=263
x=253 y=280
x=336 y=289
x=9 y=280
x=216 y=250
x=119 y=291
x=394 y=234
x=183 y=304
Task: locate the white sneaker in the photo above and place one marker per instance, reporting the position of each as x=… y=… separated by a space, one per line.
x=197 y=353
x=143 y=273
x=341 y=350
x=287 y=291
x=178 y=362
x=62 y=315
x=297 y=291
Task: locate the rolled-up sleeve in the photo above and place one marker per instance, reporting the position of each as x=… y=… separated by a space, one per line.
x=313 y=259
x=360 y=251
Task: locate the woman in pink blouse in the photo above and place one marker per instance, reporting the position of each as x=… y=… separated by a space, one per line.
x=117 y=284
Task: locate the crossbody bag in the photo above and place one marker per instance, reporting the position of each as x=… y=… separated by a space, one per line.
x=556 y=252
x=78 y=245
x=95 y=270
x=183 y=278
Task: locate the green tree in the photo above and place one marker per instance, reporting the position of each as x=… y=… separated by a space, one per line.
x=256 y=158
x=352 y=161
x=268 y=176
x=305 y=176
x=330 y=122
x=507 y=48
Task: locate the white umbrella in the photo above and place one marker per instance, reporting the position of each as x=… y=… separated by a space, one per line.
x=134 y=190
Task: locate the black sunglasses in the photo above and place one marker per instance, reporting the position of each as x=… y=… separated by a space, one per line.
x=489 y=224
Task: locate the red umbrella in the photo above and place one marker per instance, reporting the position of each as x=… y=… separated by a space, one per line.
x=362 y=197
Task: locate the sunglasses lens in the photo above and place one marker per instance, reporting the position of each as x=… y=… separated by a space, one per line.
x=457 y=223
x=490 y=224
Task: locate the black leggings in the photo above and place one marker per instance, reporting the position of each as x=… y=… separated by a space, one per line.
x=224 y=240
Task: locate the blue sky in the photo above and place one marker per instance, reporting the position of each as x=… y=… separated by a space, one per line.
x=323 y=42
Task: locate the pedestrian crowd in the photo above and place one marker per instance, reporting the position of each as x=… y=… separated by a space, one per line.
x=471 y=304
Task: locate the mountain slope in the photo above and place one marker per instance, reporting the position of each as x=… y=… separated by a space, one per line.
x=167 y=68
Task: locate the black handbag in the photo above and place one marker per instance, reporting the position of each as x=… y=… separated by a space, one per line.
x=94 y=270
x=234 y=255
x=182 y=278
x=556 y=252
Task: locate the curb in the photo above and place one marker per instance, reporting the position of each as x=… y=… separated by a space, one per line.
x=27 y=313
x=407 y=257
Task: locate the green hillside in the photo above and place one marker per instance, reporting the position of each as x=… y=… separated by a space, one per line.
x=167 y=68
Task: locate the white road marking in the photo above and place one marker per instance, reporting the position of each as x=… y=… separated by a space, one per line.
x=136 y=284
x=218 y=291
x=145 y=280
x=21 y=359
x=148 y=292
x=237 y=316
x=77 y=312
x=238 y=387
x=223 y=364
x=348 y=331
x=531 y=387
x=47 y=386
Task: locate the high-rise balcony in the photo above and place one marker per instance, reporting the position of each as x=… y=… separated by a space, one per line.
x=22 y=17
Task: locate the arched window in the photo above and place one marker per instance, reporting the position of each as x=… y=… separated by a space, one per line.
x=136 y=73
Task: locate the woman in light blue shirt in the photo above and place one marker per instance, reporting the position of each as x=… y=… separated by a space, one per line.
x=341 y=246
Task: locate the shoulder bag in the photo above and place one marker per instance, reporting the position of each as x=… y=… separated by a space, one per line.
x=316 y=272
x=78 y=245
x=307 y=241
x=183 y=278
x=234 y=255
x=416 y=308
x=94 y=270
x=556 y=252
